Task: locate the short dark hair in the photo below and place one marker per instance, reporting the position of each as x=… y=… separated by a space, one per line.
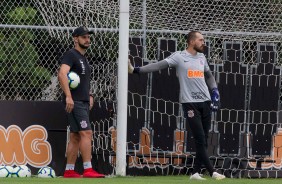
x=191 y=36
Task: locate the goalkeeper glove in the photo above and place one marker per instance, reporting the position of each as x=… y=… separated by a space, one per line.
x=215 y=99
x=131 y=69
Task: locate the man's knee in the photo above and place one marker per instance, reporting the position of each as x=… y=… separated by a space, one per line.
x=75 y=138
x=86 y=134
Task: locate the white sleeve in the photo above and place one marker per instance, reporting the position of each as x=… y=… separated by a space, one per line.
x=172 y=59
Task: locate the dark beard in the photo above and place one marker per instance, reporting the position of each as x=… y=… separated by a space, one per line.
x=83 y=46
x=199 y=49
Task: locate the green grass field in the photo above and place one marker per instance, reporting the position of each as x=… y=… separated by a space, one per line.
x=137 y=180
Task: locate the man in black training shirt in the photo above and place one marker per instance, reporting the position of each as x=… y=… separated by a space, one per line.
x=78 y=102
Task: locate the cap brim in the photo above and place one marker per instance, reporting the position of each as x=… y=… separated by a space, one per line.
x=82 y=34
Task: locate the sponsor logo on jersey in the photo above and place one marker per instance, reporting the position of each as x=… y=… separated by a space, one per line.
x=198 y=95
x=195 y=74
x=82 y=66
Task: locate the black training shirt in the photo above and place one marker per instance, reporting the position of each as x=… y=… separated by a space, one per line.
x=78 y=64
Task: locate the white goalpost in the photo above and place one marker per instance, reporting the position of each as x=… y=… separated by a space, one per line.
x=122 y=88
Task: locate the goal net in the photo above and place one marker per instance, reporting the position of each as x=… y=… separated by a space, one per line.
x=243 y=40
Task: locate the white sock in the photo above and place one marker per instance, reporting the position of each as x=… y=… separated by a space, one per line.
x=69 y=167
x=87 y=165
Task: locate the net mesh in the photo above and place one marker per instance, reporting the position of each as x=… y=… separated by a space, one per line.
x=243 y=49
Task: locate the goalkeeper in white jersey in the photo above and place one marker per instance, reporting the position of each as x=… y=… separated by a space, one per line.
x=195 y=79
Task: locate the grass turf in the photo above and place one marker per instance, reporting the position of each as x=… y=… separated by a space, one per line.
x=137 y=180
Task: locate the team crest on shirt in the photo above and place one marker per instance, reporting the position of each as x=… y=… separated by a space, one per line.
x=83 y=124
x=190 y=113
x=202 y=62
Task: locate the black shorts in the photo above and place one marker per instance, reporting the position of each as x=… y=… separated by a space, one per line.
x=198 y=116
x=196 y=109
x=78 y=119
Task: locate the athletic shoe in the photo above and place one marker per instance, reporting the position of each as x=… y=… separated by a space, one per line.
x=91 y=173
x=217 y=176
x=71 y=174
x=197 y=176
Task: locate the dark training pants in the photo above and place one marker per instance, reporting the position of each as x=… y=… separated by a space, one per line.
x=198 y=116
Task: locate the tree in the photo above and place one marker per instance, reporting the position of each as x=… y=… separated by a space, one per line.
x=19 y=58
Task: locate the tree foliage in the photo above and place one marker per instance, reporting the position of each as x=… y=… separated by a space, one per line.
x=19 y=57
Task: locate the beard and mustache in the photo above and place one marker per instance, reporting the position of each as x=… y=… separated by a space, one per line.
x=83 y=46
x=199 y=49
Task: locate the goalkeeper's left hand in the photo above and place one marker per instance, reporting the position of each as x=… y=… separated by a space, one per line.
x=215 y=100
x=130 y=67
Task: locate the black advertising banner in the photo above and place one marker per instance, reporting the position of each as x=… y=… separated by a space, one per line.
x=33 y=134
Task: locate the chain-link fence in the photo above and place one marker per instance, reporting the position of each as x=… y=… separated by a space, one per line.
x=34 y=34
